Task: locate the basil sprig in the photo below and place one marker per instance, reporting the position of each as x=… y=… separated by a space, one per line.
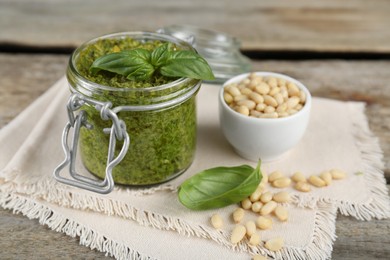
x=219 y=187
x=142 y=64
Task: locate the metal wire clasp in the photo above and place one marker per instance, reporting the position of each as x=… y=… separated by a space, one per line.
x=117 y=132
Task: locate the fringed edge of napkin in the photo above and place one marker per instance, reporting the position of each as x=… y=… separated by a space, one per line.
x=373 y=165
x=87 y=237
x=320 y=247
x=378 y=204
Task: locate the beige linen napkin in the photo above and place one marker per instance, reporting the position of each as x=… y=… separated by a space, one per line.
x=139 y=224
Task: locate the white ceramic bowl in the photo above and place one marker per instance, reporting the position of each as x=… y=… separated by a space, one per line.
x=263 y=138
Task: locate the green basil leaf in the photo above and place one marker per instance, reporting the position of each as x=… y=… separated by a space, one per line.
x=160 y=55
x=131 y=63
x=219 y=187
x=187 y=64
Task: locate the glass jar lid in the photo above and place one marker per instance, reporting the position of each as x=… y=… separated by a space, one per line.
x=221 y=51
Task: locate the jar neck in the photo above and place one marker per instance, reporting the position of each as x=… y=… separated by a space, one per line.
x=129 y=96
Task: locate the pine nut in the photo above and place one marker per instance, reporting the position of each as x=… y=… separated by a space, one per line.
x=269 y=109
x=238 y=234
x=302 y=186
x=259 y=257
x=282 y=182
x=279 y=98
x=255 y=196
x=239 y=98
x=254 y=239
x=256 y=97
x=293 y=90
x=274 y=244
x=326 y=177
x=266 y=197
x=272 y=82
x=260 y=107
x=254 y=113
x=246 y=91
x=268 y=100
x=338 y=174
x=292 y=102
x=269 y=115
x=268 y=208
x=216 y=221
x=281 y=197
x=246 y=203
x=316 y=181
x=262 y=88
x=238 y=215
x=281 y=108
x=227 y=97
x=243 y=110
x=256 y=207
x=248 y=103
x=281 y=213
x=250 y=228
x=233 y=90
x=264 y=222
x=302 y=96
x=275 y=175
x=298 y=176
x=274 y=90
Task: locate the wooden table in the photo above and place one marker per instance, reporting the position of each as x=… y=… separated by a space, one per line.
x=339 y=49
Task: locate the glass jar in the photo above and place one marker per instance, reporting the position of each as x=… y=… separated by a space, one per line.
x=160 y=120
x=221 y=50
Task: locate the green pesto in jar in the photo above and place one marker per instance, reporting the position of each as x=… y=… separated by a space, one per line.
x=162 y=142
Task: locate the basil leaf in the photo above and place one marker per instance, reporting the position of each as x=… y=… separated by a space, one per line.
x=219 y=187
x=131 y=63
x=160 y=55
x=187 y=64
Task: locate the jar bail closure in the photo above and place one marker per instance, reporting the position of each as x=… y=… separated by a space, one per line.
x=117 y=132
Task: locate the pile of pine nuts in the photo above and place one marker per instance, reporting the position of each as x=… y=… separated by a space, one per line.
x=265 y=203
x=267 y=97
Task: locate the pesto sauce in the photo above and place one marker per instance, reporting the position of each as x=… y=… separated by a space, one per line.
x=162 y=143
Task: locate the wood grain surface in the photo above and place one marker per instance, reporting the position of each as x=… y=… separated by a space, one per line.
x=25 y=77
x=303 y=25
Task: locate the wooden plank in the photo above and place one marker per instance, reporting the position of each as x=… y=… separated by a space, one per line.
x=279 y=25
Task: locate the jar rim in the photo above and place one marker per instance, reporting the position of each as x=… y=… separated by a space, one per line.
x=138 y=35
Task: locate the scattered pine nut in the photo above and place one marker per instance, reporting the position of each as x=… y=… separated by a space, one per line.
x=250 y=228
x=268 y=208
x=298 y=176
x=274 y=244
x=259 y=257
x=246 y=203
x=337 y=174
x=256 y=206
x=302 y=186
x=254 y=239
x=281 y=197
x=274 y=176
x=326 y=177
x=238 y=234
x=282 y=182
x=316 y=181
x=238 y=215
x=216 y=221
x=281 y=213
x=266 y=197
x=263 y=222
